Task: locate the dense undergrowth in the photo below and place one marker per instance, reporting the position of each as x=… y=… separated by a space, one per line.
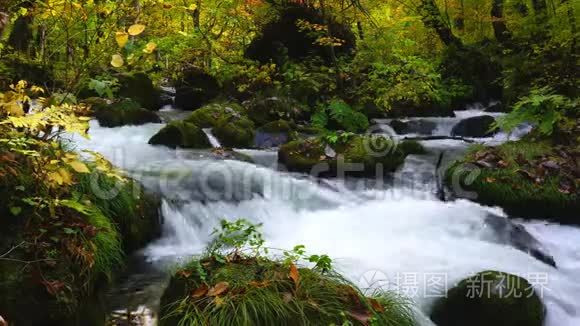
x=68 y=221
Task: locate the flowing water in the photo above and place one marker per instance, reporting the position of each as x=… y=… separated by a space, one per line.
x=394 y=233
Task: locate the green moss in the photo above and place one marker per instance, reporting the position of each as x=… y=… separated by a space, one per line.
x=514 y=191
x=359 y=152
x=259 y=292
x=278 y=126
x=181 y=134
x=124 y=112
x=139 y=87
x=235 y=131
x=490 y=298
x=412 y=147
x=209 y=115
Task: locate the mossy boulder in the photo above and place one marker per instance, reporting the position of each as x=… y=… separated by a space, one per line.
x=476 y=127
x=257 y=291
x=263 y=110
x=527 y=179
x=235 y=131
x=181 y=134
x=194 y=89
x=228 y=121
x=358 y=156
x=123 y=112
x=139 y=87
x=490 y=298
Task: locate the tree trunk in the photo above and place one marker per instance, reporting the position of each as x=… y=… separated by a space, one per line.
x=3 y=21
x=573 y=24
x=432 y=18
x=196 y=14
x=500 y=30
x=459 y=20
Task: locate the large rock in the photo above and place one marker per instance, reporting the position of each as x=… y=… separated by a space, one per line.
x=194 y=89
x=124 y=112
x=476 y=127
x=366 y=156
x=490 y=298
x=418 y=126
x=181 y=134
x=264 y=110
x=139 y=87
x=283 y=38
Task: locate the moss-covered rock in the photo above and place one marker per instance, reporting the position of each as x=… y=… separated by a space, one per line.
x=527 y=179
x=235 y=131
x=359 y=156
x=263 y=110
x=124 y=112
x=490 y=298
x=194 y=89
x=229 y=123
x=139 y=87
x=181 y=134
x=256 y=291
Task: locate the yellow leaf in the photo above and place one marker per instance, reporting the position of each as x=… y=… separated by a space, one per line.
x=150 y=47
x=192 y=7
x=136 y=29
x=122 y=38
x=65 y=176
x=117 y=61
x=13 y=109
x=79 y=166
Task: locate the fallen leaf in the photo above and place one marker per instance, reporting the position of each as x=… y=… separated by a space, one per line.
x=218 y=289
x=136 y=29
x=502 y=164
x=218 y=301
x=294 y=275
x=3 y=322
x=490 y=180
x=149 y=48
x=259 y=284
x=200 y=291
x=117 y=61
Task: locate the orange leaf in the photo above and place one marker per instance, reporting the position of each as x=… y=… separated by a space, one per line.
x=376 y=305
x=200 y=291
x=294 y=275
x=218 y=289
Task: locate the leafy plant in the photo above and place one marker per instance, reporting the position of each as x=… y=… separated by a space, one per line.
x=541 y=107
x=105 y=86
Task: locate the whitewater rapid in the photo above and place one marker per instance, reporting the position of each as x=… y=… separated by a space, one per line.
x=394 y=236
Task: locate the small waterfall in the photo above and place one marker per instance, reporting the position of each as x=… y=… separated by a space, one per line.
x=215 y=143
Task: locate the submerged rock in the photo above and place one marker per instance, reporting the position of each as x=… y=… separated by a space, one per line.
x=516 y=235
x=422 y=127
x=476 y=127
x=490 y=298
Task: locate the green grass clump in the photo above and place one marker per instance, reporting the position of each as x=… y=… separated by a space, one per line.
x=261 y=292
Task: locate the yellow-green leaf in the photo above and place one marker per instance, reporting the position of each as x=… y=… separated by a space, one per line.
x=136 y=29
x=79 y=166
x=117 y=61
x=122 y=38
x=150 y=47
